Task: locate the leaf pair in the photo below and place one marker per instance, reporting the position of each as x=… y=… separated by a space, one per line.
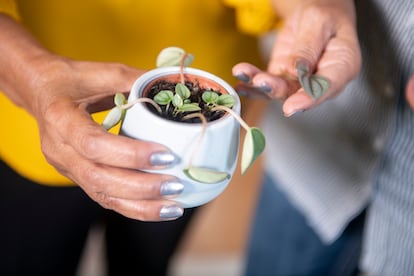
x=253 y=146
x=180 y=99
x=117 y=113
x=174 y=56
x=314 y=85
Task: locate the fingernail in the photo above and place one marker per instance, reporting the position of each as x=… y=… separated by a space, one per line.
x=163 y=158
x=242 y=93
x=265 y=88
x=171 y=188
x=302 y=65
x=171 y=212
x=294 y=112
x=242 y=77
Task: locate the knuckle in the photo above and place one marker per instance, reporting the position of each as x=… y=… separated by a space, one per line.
x=105 y=201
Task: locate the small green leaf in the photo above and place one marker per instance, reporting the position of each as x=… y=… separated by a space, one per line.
x=314 y=85
x=188 y=59
x=177 y=101
x=253 y=146
x=170 y=56
x=190 y=107
x=304 y=81
x=113 y=117
x=119 y=99
x=206 y=175
x=182 y=90
x=164 y=97
x=320 y=85
x=226 y=100
x=209 y=97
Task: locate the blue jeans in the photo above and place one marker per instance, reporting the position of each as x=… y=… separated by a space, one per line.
x=281 y=242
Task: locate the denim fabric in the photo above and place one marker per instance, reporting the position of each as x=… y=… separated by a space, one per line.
x=282 y=243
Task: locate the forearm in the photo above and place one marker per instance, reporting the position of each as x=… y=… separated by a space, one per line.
x=20 y=54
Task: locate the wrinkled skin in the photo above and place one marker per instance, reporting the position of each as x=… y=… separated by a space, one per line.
x=61 y=94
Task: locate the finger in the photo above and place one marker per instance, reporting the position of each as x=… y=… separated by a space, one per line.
x=145 y=210
x=97 y=178
x=275 y=86
x=93 y=142
x=340 y=63
x=104 y=78
x=259 y=84
x=124 y=183
x=245 y=71
x=250 y=91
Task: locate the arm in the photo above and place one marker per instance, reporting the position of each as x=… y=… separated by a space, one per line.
x=61 y=94
x=319 y=36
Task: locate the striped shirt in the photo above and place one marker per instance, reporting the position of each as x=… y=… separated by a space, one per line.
x=357 y=150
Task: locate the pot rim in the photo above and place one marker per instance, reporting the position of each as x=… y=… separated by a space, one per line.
x=140 y=84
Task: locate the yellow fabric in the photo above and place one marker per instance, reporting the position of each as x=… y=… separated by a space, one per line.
x=9 y=7
x=254 y=17
x=127 y=31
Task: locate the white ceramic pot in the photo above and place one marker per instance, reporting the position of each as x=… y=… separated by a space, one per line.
x=218 y=149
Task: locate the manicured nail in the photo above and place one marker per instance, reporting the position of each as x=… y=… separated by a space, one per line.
x=294 y=112
x=243 y=77
x=171 y=212
x=265 y=88
x=163 y=158
x=242 y=93
x=171 y=188
x=302 y=65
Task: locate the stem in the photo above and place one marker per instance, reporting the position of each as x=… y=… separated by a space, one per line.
x=203 y=131
x=140 y=100
x=232 y=113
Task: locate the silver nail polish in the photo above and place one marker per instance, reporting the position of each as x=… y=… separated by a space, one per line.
x=171 y=212
x=163 y=159
x=171 y=188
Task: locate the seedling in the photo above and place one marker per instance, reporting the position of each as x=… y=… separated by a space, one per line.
x=178 y=102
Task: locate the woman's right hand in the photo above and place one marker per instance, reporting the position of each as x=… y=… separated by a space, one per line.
x=61 y=94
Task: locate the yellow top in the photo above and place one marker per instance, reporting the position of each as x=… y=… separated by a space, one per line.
x=127 y=31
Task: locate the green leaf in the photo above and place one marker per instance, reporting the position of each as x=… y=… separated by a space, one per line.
x=119 y=99
x=113 y=117
x=188 y=59
x=314 y=85
x=190 y=107
x=182 y=90
x=177 y=101
x=320 y=85
x=253 y=146
x=226 y=100
x=164 y=97
x=209 y=97
x=170 y=56
x=206 y=175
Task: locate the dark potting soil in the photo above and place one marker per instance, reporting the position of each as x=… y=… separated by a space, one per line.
x=196 y=92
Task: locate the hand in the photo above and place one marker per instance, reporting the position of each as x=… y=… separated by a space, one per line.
x=319 y=37
x=61 y=94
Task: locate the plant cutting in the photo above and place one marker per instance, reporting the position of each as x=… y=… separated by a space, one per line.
x=199 y=106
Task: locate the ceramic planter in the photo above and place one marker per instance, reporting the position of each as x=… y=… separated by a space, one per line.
x=218 y=149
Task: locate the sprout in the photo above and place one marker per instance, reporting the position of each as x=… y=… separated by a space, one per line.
x=181 y=103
